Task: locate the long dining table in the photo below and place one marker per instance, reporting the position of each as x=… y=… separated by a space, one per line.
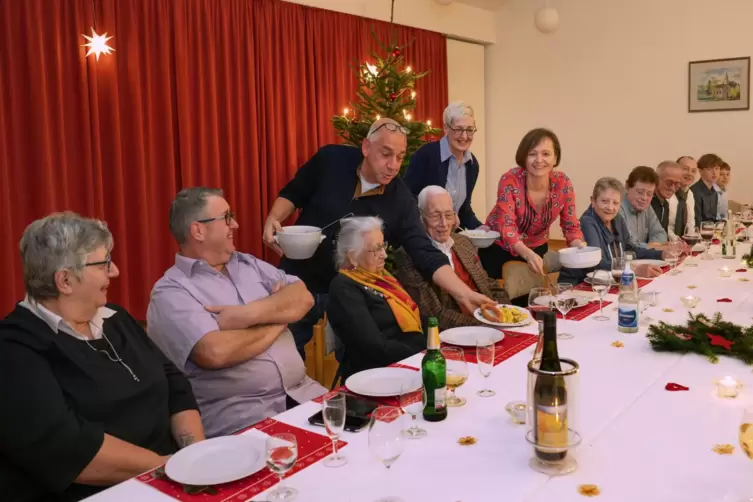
x=639 y=440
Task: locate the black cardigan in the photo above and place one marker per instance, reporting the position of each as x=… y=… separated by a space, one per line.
x=426 y=168
x=59 y=398
x=324 y=188
x=365 y=324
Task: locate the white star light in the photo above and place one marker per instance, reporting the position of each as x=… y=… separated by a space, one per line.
x=97 y=44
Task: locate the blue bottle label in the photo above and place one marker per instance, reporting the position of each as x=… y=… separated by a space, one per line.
x=627 y=317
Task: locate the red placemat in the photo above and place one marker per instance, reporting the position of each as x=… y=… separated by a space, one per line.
x=582 y=312
x=312 y=447
x=584 y=286
x=511 y=344
x=387 y=401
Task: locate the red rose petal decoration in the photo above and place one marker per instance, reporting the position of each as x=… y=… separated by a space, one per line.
x=741 y=270
x=724 y=300
x=673 y=387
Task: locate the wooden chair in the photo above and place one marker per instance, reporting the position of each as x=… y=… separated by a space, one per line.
x=519 y=280
x=321 y=364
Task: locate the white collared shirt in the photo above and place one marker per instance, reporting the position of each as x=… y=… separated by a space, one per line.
x=446 y=248
x=57 y=323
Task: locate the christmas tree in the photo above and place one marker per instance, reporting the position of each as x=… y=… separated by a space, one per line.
x=386 y=88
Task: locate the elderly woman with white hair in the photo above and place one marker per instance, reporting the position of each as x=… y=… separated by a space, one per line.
x=88 y=400
x=449 y=163
x=368 y=309
x=435 y=206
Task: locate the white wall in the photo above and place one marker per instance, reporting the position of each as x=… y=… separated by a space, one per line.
x=612 y=83
x=465 y=79
x=457 y=20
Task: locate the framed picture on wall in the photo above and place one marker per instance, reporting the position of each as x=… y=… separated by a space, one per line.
x=719 y=85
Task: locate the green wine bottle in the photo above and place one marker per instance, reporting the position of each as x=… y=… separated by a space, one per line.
x=550 y=399
x=434 y=375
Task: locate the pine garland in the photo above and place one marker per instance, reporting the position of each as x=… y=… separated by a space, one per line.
x=701 y=335
x=748 y=260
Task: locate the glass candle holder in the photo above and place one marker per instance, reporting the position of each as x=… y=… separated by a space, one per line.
x=689 y=301
x=517 y=411
x=725 y=271
x=728 y=387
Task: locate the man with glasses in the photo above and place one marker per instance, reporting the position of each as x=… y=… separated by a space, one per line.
x=643 y=225
x=449 y=163
x=438 y=217
x=341 y=180
x=221 y=316
x=683 y=199
x=670 y=180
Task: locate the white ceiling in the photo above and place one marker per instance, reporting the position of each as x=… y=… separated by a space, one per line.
x=490 y=5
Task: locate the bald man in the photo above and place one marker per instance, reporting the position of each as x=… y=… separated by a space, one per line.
x=340 y=180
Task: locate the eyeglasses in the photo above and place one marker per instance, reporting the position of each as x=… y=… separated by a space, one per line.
x=646 y=194
x=107 y=262
x=391 y=127
x=469 y=131
x=378 y=249
x=228 y=216
x=436 y=217
x=672 y=184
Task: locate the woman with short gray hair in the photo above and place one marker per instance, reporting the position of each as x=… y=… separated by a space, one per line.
x=81 y=374
x=604 y=227
x=368 y=309
x=449 y=163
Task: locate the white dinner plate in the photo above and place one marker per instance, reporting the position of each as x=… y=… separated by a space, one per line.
x=383 y=382
x=466 y=336
x=217 y=460
x=656 y=263
x=545 y=301
x=527 y=320
x=589 y=277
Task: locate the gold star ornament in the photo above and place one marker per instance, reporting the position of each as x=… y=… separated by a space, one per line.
x=97 y=44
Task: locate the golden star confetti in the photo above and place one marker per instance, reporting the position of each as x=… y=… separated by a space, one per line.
x=589 y=490
x=723 y=449
x=618 y=344
x=467 y=441
x=667 y=310
x=692 y=286
x=744 y=279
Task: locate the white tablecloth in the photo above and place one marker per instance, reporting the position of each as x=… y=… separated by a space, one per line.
x=640 y=442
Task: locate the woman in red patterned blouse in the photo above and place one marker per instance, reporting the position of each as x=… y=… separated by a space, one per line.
x=529 y=199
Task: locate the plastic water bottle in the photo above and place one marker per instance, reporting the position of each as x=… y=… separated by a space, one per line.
x=627 y=303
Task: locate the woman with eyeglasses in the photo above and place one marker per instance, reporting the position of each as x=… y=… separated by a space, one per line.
x=449 y=163
x=529 y=198
x=88 y=400
x=369 y=311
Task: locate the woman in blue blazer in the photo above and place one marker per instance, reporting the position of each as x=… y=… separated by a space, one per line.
x=449 y=163
x=604 y=227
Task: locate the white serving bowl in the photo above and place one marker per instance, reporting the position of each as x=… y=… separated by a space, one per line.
x=481 y=238
x=580 y=257
x=299 y=242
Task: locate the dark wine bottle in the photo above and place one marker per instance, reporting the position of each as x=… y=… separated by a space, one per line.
x=434 y=375
x=550 y=399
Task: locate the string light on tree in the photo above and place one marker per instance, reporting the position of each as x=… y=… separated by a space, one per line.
x=97 y=44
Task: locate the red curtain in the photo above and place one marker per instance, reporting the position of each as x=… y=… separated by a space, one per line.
x=235 y=94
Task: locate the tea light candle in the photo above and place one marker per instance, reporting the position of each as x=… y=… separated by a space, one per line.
x=727 y=387
x=689 y=301
x=725 y=271
x=517 y=411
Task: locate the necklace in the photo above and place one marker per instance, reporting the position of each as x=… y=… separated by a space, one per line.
x=117 y=358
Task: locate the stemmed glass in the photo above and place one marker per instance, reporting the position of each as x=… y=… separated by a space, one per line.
x=412 y=401
x=618 y=267
x=746 y=218
x=647 y=299
x=707 y=230
x=485 y=362
x=600 y=283
x=457 y=373
x=333 y=411
x=672 y=255
x=282 y=453
x=386 y=439
x=564 y=301
x=691 y=238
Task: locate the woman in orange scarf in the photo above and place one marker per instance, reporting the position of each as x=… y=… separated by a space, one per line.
x=368 y=309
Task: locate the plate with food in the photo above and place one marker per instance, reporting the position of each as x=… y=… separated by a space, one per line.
x=504 y=316
x=546 y=301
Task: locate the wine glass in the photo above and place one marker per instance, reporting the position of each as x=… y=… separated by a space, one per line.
x=707 y=234
x=600 y=283
x=386 y=439
x=564 y=301
x=618 y=267
x=746 y=218
x=646 y=300
x=692 y=237
x=333 y=411
x=282 y=452
x=485 y=362
x=672 y=255
x=412 y=403
x=457 y=373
